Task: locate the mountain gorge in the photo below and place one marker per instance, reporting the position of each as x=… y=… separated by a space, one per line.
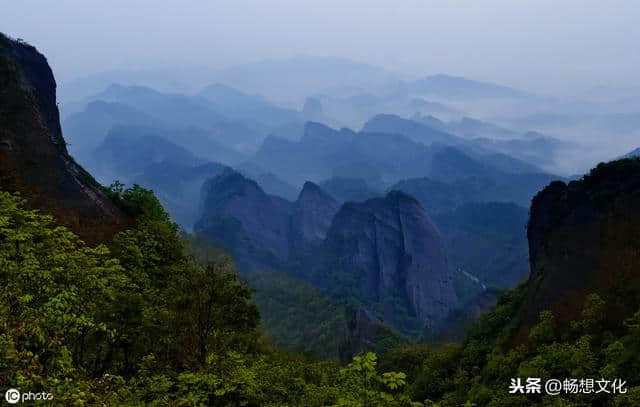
x=384 y=252
x=290 y=179
x=107 y=301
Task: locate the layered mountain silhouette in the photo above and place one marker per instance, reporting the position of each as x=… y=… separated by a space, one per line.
x=238 y=105
x=148 y=157
x=456 y=87
x=400 y=210
x=438 y=196
x=380 y=158
x=135 y=105
x=515 y=154
x=387 y=249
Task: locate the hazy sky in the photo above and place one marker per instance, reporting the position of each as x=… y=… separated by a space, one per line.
x=540 y=45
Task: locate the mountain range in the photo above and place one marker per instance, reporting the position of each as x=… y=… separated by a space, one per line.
x=375 y=252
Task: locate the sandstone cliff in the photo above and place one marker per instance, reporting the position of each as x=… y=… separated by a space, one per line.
x=238 y=215
x=311 y=216
x=584 y=237
x=33 y=155
x=389 y=253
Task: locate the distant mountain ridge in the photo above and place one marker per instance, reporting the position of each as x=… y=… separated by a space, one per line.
x=235 y=104
x=380 y=158
x=261 y=229
x=456 y=87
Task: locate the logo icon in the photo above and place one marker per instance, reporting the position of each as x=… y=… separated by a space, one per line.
x=12 y=396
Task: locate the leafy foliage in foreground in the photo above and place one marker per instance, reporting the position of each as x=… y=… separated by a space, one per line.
x=478 y=373
x=142 y=323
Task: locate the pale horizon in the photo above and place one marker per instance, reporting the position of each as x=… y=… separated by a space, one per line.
x=541 y=47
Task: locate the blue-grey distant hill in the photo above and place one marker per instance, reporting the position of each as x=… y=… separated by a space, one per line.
x=454 y=87
x=238 y=105
x=478 y=138
x=300 y=76
x=380 y=158
x=85 y=130
x=236 y=120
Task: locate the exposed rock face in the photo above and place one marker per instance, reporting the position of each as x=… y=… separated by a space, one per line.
x=240 y=216
x=386 y=251
x=33 y=155
x=312 y=109
x=361 y=331
x=584 y=237
x=392 y=250
x=312 y=214
x=263 y=230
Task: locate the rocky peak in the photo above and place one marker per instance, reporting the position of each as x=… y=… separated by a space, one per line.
x=33 y=155
x=312 y=109
x=582 y=236
x=237 y=214
x=313 y=193
x=394 y=252
x=312 y=214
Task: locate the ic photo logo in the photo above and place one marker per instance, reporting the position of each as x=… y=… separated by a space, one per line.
x=13 y=396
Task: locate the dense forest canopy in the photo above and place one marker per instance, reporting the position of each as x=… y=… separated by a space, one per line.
x=142 y=322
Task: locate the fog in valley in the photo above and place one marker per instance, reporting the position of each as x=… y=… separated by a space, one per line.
x=378 y=172
x=568 y=70
x=454 y=104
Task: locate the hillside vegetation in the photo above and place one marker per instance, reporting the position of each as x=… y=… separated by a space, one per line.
x=142 y=323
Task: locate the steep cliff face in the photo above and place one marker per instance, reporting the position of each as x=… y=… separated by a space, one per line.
x=584 y=237
x=240 y=216
x=311 y=216
x=387 y=252
x=261 y=229
x=384 y=253
x=33 y=155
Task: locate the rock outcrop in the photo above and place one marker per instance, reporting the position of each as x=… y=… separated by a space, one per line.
x=584 y=237
x=238 y=215
x=312 y=109
x=384 y=253
x=311 y=217
x=33 y=155
x=392 y=254
x=263 y=230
